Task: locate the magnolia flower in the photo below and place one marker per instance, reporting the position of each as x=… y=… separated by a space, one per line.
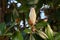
x=26 y=23
x=13 y=1
x=45 y=6
x=18 y=4
x=42 y=14
x=32 y=15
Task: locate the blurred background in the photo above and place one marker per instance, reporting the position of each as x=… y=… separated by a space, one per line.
x=16 y=12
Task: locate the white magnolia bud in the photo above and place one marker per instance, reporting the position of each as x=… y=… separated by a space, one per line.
x=32 y=15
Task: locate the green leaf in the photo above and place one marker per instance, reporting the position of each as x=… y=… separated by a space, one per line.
x=15 y=13
x=42 y=34
x=41 y=24
x=27 y=30
x=2 y=28
x=57 y=36
x=8 y=34
x=37 y=37
x=49 y=32
x=31 y=37
x=17 y=36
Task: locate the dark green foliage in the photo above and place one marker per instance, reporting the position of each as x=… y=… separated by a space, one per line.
x=2 y=28
x=37 y=37
x=17 y=36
